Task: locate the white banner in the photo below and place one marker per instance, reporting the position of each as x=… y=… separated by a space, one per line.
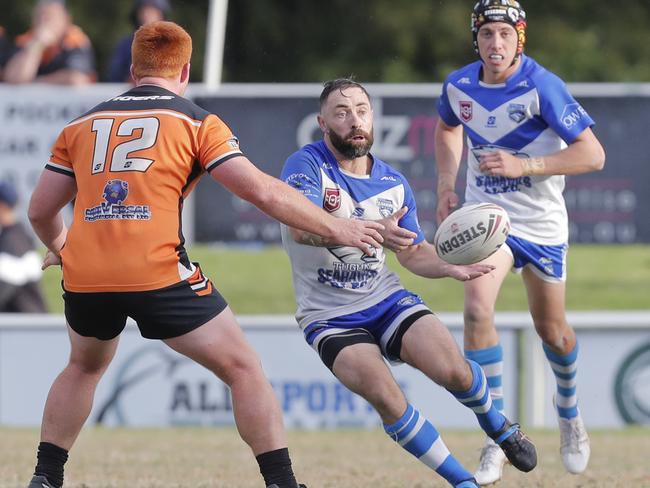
x=148 y=384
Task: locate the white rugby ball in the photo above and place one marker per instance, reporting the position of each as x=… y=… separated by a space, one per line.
x=472 y=233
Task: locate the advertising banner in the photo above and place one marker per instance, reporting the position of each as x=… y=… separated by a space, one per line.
x=273 y=121
x=148 y=384
x=605 y=207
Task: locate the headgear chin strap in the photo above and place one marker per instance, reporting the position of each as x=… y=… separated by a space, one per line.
x=508 y=11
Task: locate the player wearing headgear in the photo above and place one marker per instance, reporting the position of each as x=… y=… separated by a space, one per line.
x=355 y=312
x=524 y=132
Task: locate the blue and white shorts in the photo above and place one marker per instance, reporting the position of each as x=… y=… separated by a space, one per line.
x=547 y=262
x=383 y=324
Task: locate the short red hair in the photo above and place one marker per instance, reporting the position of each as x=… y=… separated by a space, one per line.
x=160 y=49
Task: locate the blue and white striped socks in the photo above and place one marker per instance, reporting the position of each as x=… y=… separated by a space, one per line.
x=419 y=437
x=565 y=369
x=491 y=360
x=477 y=397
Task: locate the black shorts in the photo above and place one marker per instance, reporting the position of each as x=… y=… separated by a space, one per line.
x=160 y=314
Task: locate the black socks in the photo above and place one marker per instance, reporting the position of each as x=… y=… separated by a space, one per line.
x=50 y=461
x=275 y=467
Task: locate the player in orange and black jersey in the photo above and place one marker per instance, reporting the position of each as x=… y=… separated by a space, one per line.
x=54 y=50
x=135 y=158
x=129 y=163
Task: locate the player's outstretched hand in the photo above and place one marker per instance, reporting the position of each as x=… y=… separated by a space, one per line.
x=395 y=237
x=362 y=234
x=467 y=272
x=51 y=259
x=447 y=202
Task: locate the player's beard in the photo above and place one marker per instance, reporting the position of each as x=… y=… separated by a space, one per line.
x=348 y=147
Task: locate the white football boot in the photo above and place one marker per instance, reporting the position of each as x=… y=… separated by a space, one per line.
x=574 y=444
x=490 y=468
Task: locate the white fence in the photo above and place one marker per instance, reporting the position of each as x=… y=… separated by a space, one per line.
x=150 y=385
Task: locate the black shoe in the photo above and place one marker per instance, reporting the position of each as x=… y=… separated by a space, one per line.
x=470 y=483
x=270 y=486
x=517 y=447
x=39 y=481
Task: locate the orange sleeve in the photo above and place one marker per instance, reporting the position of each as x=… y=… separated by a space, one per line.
x=217 y=144
x=60 y=160
x=75 y=38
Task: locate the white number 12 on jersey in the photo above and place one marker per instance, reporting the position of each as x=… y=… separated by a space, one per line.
x=121 y=159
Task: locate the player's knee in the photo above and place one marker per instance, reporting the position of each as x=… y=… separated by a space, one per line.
x=388 y=408
x=478 y=315
x=457 y=377
x=555 y=333
x=87 y=368
x=238 y=368
x=386 y=399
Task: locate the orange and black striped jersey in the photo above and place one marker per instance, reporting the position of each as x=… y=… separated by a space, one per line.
x=135 y=158
x=73 y=52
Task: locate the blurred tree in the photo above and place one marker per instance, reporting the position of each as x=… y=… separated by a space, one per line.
x=379 y=40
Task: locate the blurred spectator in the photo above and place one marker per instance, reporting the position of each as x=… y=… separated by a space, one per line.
x=53 y=51
x=20 y=264
x=143 y=12
x=5 y=49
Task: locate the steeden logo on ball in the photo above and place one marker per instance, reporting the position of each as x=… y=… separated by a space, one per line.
x=472 y=233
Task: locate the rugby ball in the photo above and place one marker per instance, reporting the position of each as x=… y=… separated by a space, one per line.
x=472 y=233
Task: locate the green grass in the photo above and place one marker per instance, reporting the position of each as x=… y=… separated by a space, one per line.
x=259 y=281
x=217 y=458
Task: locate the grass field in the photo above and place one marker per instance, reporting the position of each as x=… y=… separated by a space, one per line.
x=259 y=281
x=216 y=458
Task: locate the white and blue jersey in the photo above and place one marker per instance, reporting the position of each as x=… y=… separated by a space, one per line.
x=532 y=114
x=334 y=281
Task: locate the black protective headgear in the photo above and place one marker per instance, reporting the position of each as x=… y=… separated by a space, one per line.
x=508 y=11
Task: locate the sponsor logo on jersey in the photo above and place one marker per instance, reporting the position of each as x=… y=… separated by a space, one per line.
x=464 y=81
x=358 y=213
x=115 y=193
x=233 y=142
x=332 y=199
x=493 y=185
x=299 y=180
x=491 y=122
x=466 y=110
x=572 y=114
x=342 y=276
x=353 y=270
x=388 y=178
x=517 y=112
x=523 y=84
x=386 y=207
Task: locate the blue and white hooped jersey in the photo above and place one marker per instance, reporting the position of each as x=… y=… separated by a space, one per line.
x=335 y=281
x=532 y=114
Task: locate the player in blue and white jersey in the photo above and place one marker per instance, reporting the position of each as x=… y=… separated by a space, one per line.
x=524 y=132
x=354 y=312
